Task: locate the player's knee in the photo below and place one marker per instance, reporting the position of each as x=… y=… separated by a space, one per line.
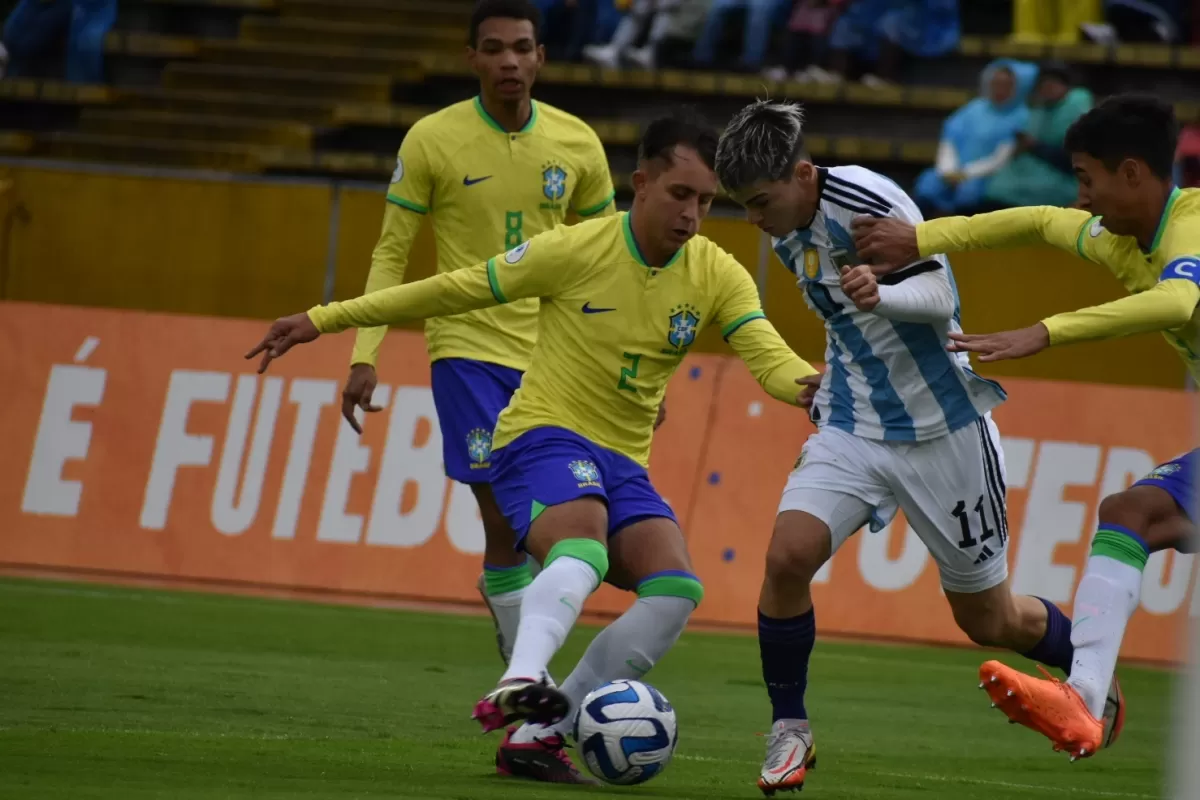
x=589 y=551
x=1124 y=509
x=792 y=557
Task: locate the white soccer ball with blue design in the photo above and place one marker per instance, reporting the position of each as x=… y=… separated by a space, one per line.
x=625 y=731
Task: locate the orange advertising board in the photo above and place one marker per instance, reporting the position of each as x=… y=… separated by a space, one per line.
x=144 y=445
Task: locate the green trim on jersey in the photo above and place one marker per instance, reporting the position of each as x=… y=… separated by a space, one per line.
x=631 y=243
x=409 y=204
x=493 y=282
x=596 y=209
x=728 y=330
x=1166 y=215
x=526 y=128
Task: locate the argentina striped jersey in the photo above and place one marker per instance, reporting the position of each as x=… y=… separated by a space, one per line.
x=884 y=379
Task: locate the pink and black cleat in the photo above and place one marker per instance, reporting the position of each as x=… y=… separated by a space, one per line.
x=521 y=700
x=542 y=759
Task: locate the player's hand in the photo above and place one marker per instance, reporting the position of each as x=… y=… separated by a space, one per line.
x=886 y=243
x=1002 y=346
x=954 y=178
x=860 y=286
x=810 y=383
x=357 y=394
x=285 y=333
x=662 y=414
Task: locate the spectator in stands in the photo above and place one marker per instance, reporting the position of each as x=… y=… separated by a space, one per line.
x=804 y=46
x=1040 y=172
x=648 y=19
x=1187 y=158
x=34 y=25
x=762 y=17
x=881 y=32
x=1057 y=21
x=977 y=140
x=1138 y=21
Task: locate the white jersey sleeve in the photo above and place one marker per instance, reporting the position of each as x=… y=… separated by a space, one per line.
x=888 y=375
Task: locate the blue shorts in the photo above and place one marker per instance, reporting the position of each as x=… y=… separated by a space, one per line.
x=469 y=396
x=550 y=466
x=1178 y=479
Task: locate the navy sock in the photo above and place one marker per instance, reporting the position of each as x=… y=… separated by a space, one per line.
x=1055 y=648
x=785 y=646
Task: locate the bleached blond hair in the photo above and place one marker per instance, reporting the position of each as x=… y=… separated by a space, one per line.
x=763 y=141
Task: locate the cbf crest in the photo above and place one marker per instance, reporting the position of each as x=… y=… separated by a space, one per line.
x=585 y=472
x=479 y=447
x=1163 y=471
x=682 y=326
x=554 y=184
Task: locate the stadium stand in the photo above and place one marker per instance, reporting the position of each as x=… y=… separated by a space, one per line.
x=328 y=87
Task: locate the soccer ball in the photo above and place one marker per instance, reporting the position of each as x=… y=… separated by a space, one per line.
x=625 y=731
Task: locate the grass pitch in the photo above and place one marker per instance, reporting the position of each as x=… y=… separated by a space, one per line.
x=131 y=693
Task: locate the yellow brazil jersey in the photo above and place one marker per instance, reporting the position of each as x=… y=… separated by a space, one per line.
x=611 y=329
x=1169 y=272
x=486 y=190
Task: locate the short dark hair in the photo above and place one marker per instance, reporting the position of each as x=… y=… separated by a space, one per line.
x=683 y=127
x=505 y=9
x=1058 y=70
x=1127 y=126
x=763 y=141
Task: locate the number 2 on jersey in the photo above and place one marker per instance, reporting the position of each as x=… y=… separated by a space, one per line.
x=629 y=373
x=512 y=229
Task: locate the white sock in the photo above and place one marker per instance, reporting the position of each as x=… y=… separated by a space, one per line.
x=1107 y=596
x=628 y=648
x=548 y=612
x=507 y=608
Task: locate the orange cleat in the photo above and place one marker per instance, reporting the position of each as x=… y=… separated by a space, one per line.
x=1048 y=706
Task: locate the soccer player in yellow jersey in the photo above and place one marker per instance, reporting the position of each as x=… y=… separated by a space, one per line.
x=1132 y=220
x=489 y=172
x=622 y=300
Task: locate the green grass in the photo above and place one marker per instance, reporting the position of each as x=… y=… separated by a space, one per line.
x=128 y=693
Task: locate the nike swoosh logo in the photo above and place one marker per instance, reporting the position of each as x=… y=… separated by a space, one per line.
x=636 y=668
x=567 y=603
x=1079 y=622
x=587 y=309
x=469 y=181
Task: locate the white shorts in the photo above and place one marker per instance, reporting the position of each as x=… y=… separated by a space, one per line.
x=951 y=490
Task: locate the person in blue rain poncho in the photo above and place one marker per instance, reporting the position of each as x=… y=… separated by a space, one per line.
x=977 y=140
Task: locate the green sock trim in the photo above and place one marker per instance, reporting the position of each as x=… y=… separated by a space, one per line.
x=1119 y=547
x=589 y=551
x=672 y=586
x=503 y=581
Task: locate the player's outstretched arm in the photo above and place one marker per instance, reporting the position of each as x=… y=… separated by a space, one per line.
x=772 y=363
x=442 y=295
x=890 y=244
x=1167 y=306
